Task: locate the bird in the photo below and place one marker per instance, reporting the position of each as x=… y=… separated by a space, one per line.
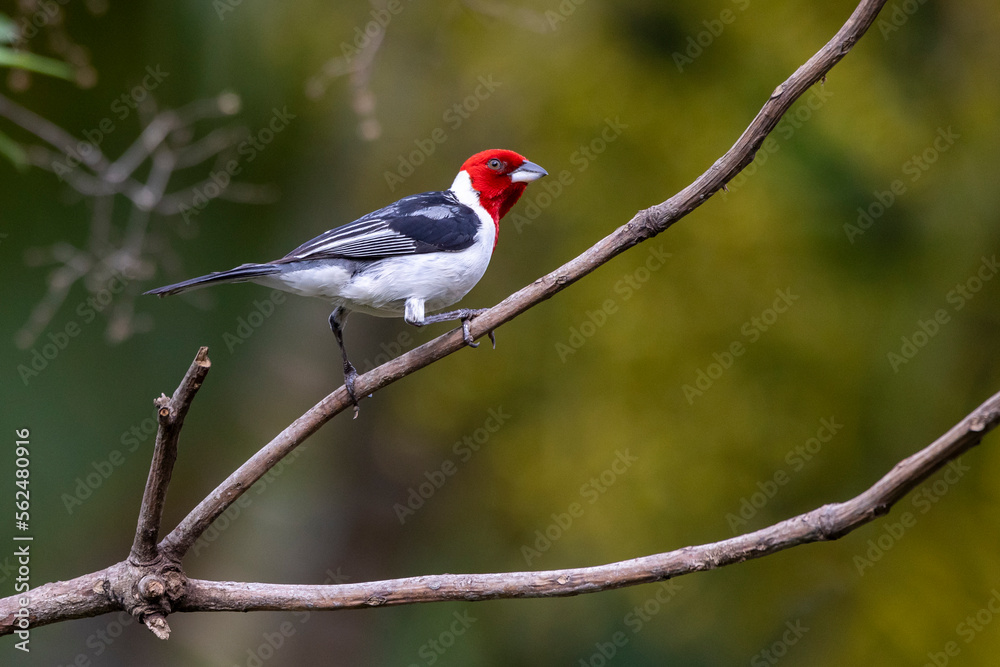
x=416 y=256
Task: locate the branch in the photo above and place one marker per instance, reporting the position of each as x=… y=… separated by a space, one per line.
x=642 y=226
x=359 y=68
x=51 y=133
x=829 y=522
x=162 y=125
x=167 y=142
x=170 y=415
x=94 y=594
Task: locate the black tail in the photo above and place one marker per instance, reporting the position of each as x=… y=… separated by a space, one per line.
x=240 y=274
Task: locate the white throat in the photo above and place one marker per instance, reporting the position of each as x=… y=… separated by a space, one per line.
x=464 y=192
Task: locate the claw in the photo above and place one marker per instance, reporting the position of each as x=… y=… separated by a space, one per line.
x=467 y=315
x=467 y=334
x=350 y=375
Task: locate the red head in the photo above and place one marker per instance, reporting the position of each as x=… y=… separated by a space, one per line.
x=500 y=177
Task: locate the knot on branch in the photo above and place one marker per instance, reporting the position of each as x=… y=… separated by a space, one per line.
x=163 y=412
x=649 y=222
x=148 y=591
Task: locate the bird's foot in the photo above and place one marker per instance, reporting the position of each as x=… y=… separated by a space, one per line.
x=466 y=315
x=350 y=375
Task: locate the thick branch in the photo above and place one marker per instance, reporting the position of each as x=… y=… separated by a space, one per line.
x=60 y=601
x=171 y=417
x=643 y=225
x=828 y=522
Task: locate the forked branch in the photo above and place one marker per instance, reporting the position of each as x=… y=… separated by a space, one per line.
x=170 y=415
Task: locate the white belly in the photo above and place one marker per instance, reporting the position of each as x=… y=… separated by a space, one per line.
x=382 y=288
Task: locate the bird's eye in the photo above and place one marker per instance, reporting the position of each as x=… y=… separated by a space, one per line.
x=495 y=164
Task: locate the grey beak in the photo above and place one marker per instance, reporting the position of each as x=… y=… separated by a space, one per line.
x=527 y=172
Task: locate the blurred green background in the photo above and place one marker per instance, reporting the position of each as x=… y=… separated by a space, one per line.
x=785 y=267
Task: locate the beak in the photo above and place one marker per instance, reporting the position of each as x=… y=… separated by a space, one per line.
x=527 y=172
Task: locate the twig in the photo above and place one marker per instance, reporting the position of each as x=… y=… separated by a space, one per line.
x=522 y=17
x=643 y=225
x=170 y=415
x=359 y=69
x=50 y=132
x=160 y=128
x=166 y=141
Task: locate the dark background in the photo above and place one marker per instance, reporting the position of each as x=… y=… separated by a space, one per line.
x=328 y=511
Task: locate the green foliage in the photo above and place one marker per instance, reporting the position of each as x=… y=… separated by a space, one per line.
x=24 y=60
x=9 y=57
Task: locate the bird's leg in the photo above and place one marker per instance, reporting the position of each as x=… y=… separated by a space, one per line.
x=464 y=314
x=337 y=319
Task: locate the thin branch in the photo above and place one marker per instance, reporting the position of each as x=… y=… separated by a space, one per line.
x=521 y=17
x=211 y=144
x=244 y=193
x=359 y=67
x=160 y=128
x=644 y=225
x=51 y=133
x=829 y=522
x=167 y=142
x=171 y=417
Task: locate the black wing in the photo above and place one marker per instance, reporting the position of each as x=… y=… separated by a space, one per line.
x=427 y=222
